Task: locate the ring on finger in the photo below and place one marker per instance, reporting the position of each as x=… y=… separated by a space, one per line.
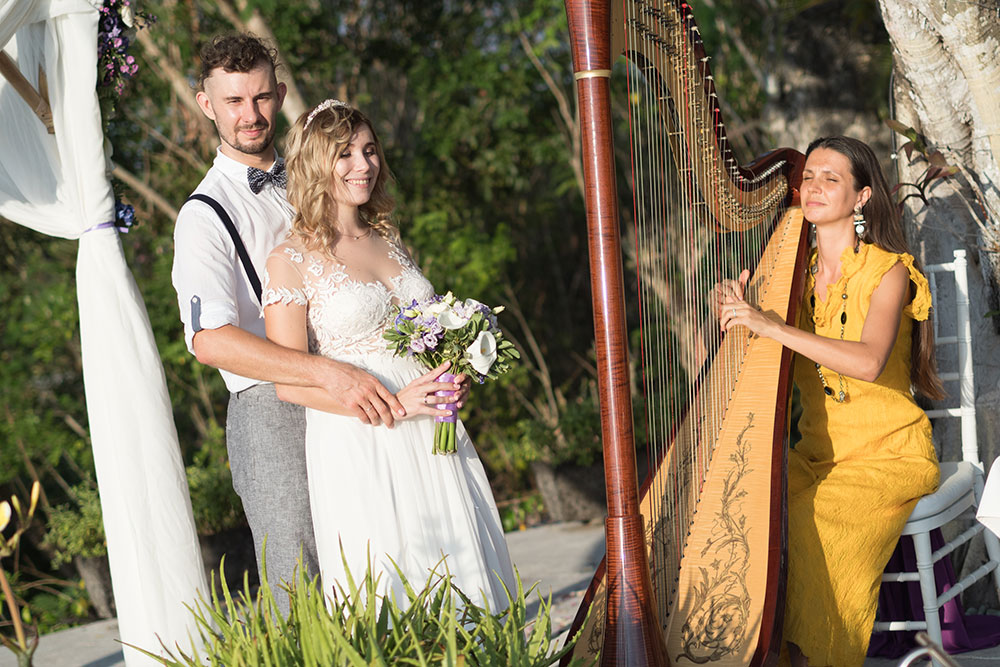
x=734 y=312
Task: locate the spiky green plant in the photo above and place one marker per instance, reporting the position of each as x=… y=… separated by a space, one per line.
x=436 y=625
x=22 y=645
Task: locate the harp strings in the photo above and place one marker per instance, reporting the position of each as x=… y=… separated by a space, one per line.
x=696 y=223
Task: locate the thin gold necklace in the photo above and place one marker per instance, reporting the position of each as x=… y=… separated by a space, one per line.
x=359 y=236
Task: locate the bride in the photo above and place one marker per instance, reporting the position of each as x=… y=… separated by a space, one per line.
x=376 y=493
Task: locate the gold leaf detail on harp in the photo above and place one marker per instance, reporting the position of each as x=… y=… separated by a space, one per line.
x=592 y=74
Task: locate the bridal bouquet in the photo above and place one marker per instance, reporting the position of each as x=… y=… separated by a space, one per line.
x=465 y=333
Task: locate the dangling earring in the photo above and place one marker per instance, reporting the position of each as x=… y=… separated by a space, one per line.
x=859 y=222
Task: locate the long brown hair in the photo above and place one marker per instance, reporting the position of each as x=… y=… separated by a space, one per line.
x=312 y=147
x=884 y=228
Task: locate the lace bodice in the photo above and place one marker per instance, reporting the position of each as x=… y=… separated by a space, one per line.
x=345 y=317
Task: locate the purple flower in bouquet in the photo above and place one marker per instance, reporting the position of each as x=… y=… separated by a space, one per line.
x=407 y=314
x=432 y=325
x=431 y=340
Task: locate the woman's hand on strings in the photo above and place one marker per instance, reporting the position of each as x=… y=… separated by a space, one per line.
x=863 y=359
x=733 y=309
x=727 y=291
x=420 y=396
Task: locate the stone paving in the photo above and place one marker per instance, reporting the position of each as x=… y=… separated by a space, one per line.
x=561 y=557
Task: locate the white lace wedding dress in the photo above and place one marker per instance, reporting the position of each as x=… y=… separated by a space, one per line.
x=376 y=490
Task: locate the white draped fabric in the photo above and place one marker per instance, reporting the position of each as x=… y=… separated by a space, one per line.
x=58 y=185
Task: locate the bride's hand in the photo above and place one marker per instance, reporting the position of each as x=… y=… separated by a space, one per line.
x=465 y=384
x=418 y=397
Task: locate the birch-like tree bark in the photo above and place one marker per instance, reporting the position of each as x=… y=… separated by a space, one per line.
x=947 y=87
x=294 y=105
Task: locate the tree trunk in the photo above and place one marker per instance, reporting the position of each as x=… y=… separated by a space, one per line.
x=947 y=87
x=96 y=575
x=294 y=105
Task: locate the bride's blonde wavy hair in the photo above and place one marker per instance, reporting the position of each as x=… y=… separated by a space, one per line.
x=312 y=147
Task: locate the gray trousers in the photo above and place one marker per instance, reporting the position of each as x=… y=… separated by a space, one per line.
x=266 y=440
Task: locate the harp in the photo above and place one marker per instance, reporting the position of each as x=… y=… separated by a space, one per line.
x=694 y=566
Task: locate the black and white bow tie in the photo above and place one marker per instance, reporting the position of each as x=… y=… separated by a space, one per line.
x=256 y=178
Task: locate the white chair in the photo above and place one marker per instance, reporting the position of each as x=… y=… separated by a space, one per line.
x=961 y=486
x=928 y=649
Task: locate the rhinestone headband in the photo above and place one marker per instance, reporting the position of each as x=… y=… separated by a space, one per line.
x=323 y=106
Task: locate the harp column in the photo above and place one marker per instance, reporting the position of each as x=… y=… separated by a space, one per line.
x=632 y=635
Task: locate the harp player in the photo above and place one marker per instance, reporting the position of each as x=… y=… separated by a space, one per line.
x=866 y=455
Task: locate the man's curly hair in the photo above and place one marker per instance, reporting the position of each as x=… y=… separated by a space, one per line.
x=235 y=52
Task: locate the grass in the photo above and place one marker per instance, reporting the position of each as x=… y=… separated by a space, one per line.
x=437 y=624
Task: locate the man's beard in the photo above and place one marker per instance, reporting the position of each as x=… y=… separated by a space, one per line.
x=255 y=148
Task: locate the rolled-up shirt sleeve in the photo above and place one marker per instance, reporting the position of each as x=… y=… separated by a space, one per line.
x=204 y=271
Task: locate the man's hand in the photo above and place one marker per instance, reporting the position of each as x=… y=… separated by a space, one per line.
x=362 y=395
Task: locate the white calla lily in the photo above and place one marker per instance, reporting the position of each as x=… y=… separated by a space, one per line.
x=482 y=353
x=436 y=309
x=450 y=319
x=4 y=514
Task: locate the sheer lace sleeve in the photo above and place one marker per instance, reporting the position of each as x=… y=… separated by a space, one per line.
x=343 y=316
x=283 y=282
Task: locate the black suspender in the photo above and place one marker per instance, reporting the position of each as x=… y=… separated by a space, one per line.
x=241 y=249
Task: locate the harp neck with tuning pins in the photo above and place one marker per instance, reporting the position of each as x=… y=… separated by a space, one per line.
x=694 y=565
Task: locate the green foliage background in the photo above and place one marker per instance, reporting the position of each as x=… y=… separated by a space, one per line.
x=474 y=101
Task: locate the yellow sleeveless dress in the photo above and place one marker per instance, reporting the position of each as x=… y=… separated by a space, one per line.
x=857 y=472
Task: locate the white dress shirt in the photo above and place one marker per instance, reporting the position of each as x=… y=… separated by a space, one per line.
x=208 y=275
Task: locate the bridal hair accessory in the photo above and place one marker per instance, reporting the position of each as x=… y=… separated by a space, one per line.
x=859 y=221
x=323 y=106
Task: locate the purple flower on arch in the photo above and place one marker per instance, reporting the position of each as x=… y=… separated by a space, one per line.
x=117 y=18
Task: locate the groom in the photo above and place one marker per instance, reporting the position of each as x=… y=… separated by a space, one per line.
x=220 y=244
